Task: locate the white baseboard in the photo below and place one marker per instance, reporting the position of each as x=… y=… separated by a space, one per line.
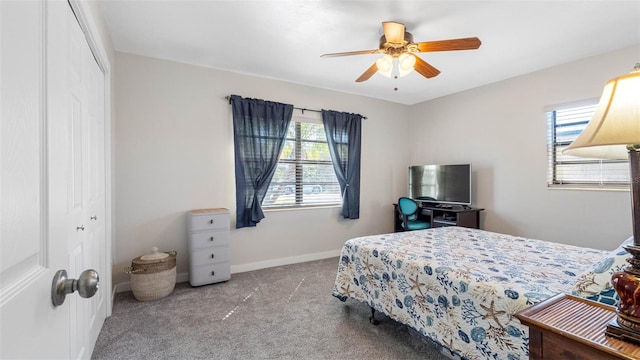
x=126 y=286
x=283 y=261
x=183 y=277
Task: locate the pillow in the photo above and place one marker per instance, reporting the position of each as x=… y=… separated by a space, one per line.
x=596 y=282
x=607 y=296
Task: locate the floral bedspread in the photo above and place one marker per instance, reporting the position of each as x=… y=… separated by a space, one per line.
x=460 y=287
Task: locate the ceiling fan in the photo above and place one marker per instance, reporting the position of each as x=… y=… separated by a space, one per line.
x=399 y=52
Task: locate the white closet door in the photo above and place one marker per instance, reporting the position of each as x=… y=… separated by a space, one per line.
x=76 y=106
x=96 y=202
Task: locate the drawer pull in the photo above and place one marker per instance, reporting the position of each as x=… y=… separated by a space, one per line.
x=213 y=273
x=211 y=221
x=213 y=256
x=211 y=239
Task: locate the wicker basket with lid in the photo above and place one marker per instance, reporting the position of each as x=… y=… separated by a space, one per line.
x=153 y=275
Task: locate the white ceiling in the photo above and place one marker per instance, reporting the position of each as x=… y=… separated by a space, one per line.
x=284 y=39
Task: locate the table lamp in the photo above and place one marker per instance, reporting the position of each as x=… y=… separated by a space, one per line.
x=614 y=133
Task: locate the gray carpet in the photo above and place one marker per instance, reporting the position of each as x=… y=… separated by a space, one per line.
x=285 y=312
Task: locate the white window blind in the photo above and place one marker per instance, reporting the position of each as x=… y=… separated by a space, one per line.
x=305 y=175
x=564 y=126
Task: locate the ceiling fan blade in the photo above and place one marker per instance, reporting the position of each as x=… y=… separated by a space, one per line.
x=348 y=53
x=368 y=73
x=424 y=69
x=447 y=45
x=393 y=32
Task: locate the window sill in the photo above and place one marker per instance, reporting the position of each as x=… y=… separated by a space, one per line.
x=306 y=207
x=589 y=188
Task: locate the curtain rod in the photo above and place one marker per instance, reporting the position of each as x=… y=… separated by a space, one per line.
x=297 y=108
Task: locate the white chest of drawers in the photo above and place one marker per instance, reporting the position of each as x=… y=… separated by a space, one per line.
x=209 y=246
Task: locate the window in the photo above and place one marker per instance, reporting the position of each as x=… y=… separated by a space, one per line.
x=305 y=175
x=563 y=126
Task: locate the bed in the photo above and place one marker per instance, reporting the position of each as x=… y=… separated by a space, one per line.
x=461 y=287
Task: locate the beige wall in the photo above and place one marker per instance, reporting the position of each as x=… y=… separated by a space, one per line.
x=174 y=152
x=501 y=130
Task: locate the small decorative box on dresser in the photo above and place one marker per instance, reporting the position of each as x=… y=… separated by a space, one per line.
x=209 y=246
x=566 y=327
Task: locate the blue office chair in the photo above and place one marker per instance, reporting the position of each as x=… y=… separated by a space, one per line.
x=408 y=213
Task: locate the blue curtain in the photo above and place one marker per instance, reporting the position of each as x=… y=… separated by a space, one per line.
x=344 y=137
x=259 y=130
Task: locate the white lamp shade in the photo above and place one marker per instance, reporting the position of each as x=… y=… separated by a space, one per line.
x=616 y=122
x=385 y=65
x=405 y=64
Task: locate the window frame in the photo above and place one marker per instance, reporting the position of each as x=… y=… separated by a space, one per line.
x=299 y=164
x=553 y=144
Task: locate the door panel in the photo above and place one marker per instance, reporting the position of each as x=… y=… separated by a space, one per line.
x=21 y=134
x=29 y=257
x=85 y=154
x=96 y=192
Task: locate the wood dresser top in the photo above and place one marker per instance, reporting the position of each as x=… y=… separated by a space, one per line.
x=209 y=211
x=581 y=320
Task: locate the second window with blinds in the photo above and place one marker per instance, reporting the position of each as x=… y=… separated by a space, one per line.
x=564 y=124
x=305 y=175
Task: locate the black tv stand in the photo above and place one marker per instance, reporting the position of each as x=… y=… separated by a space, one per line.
x=439 y=215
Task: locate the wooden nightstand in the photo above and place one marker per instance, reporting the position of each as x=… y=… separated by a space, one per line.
x=568 y=327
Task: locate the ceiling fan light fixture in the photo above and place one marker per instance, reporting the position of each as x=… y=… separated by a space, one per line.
x=399 y=51
x=385 y=65
x=406 y=62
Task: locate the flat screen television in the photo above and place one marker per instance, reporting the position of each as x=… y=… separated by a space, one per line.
x=441 y=184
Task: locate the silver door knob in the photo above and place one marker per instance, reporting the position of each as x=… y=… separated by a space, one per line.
x=86 y=285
